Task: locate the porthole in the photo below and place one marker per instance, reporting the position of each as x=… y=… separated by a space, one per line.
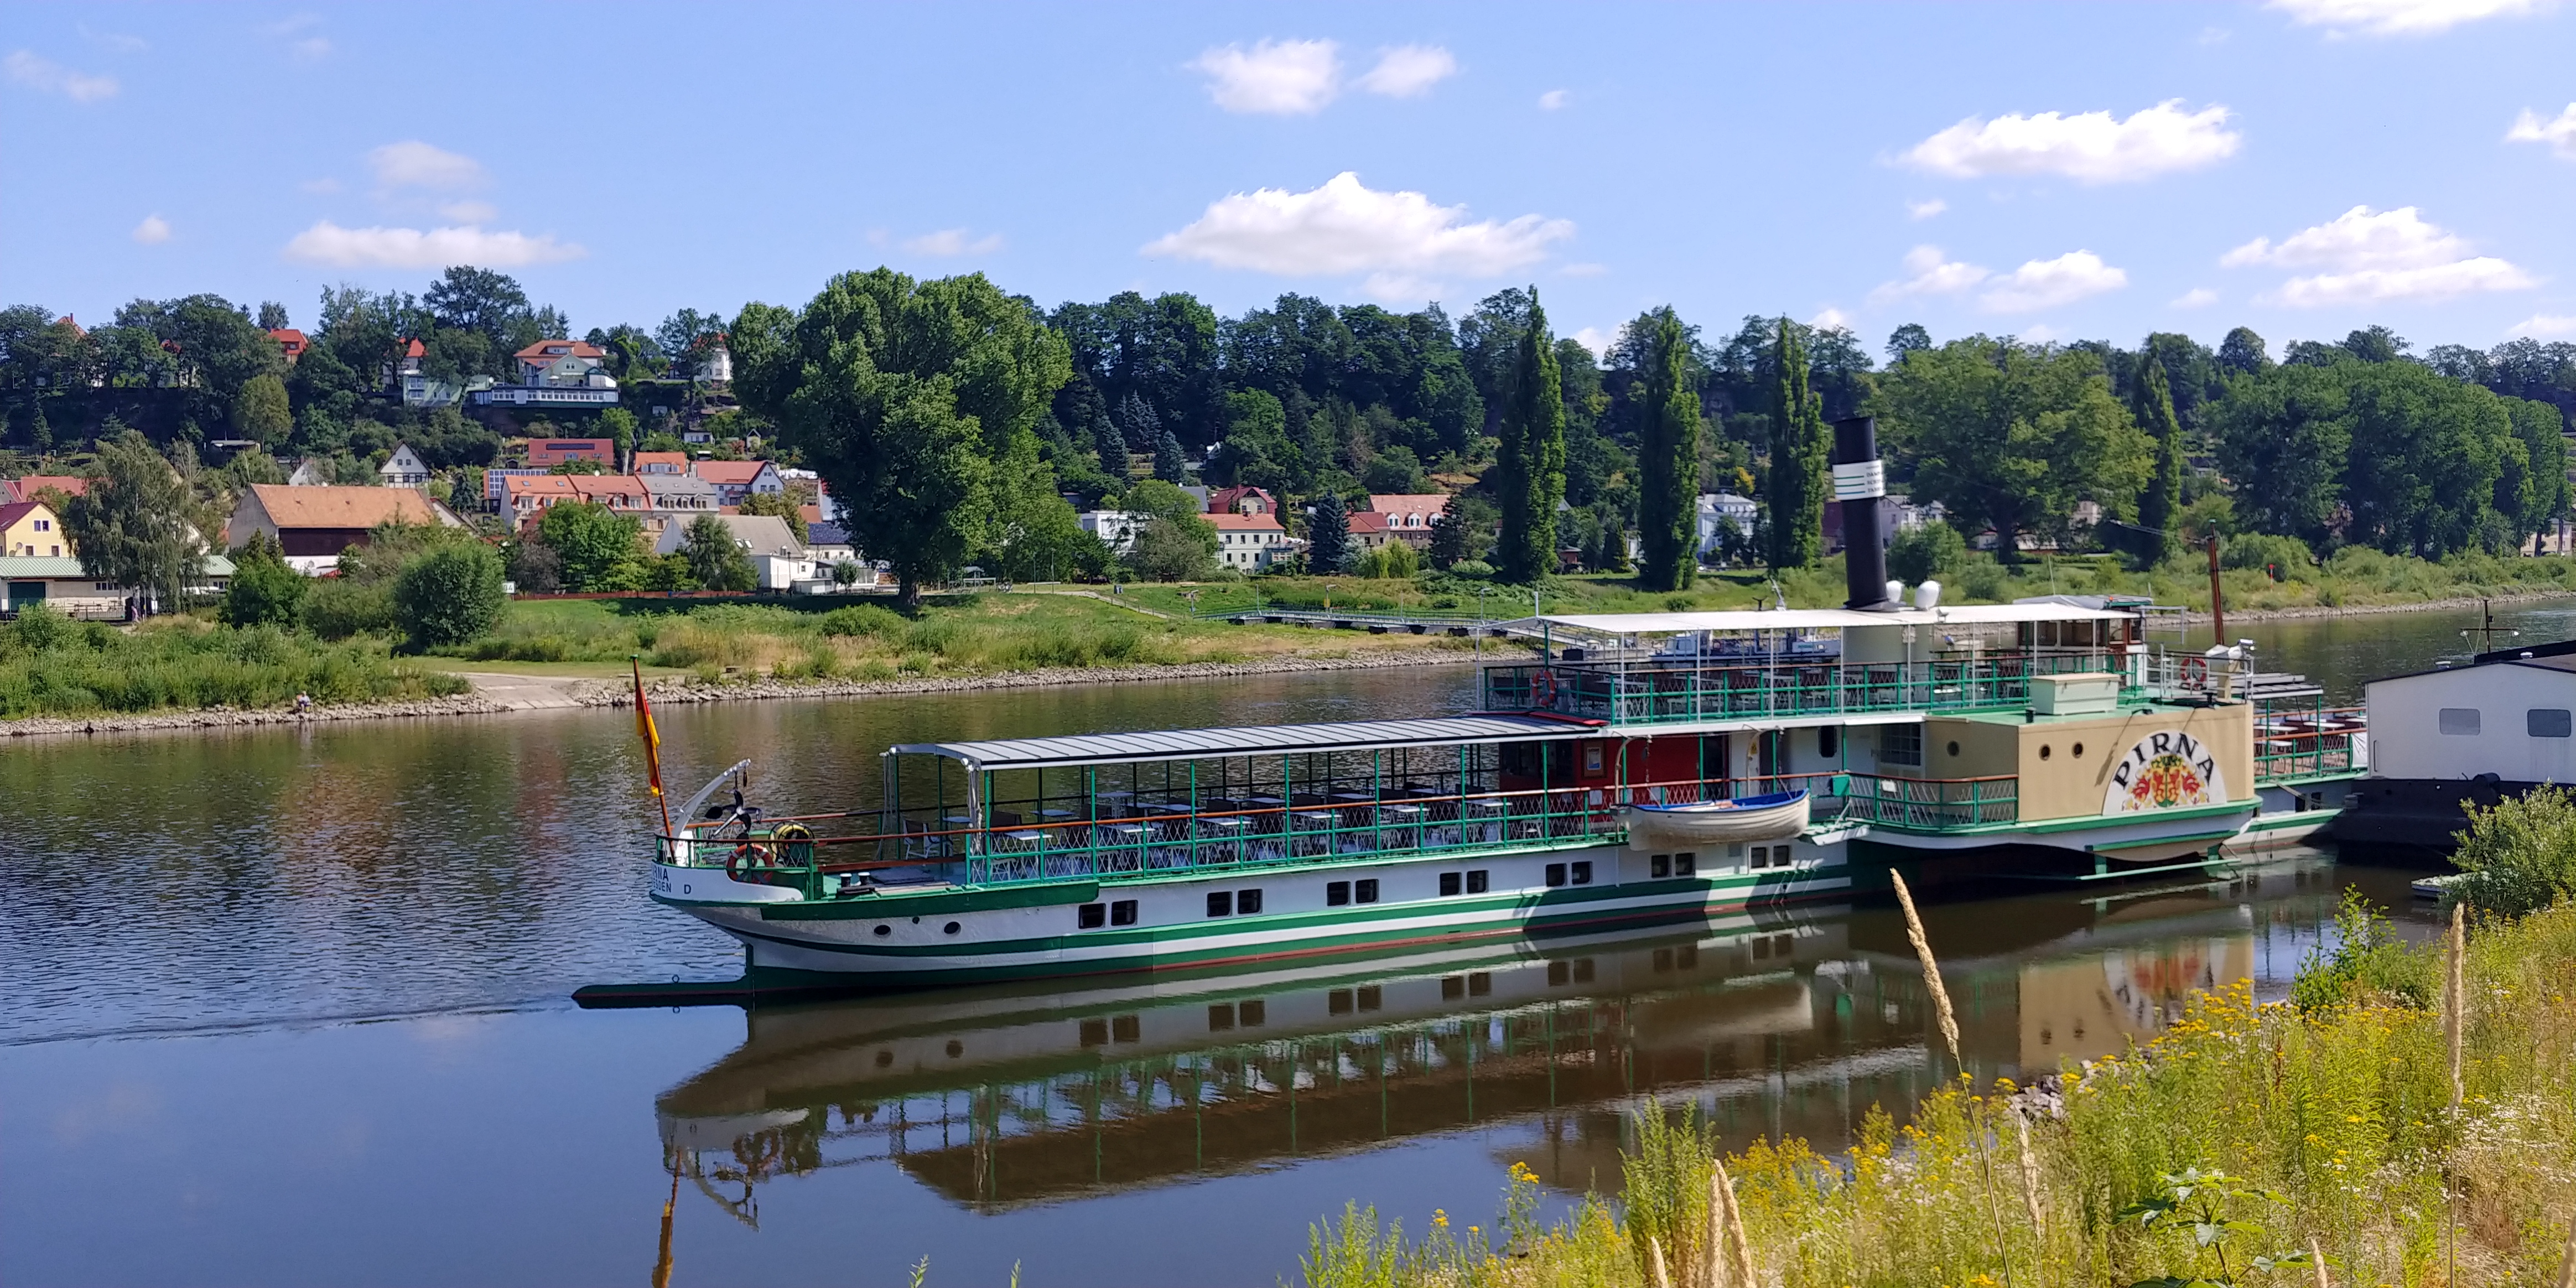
x=883 y=931
x=1954 y=749
x=884 y=1058
x=2077 y=750
x=950 y=928
x=955 y=1048
x=2043 y=751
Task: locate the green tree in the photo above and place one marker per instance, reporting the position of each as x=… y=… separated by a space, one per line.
x=263 y=591
x=2541 y=484
x=2151 y=406
x=1169 y=465
x=131 y=528
x=2012 y=436
x=1530 y=474
x=2283 y=437
x=918 y=403
x=715 y=559
x=1799 y=450
x=260 y=411
x=1328 y=537
x=2243 y=353
x=1926 y=552
x=1174 y=550
x=778 y=505
x=591 y=543
x=1449 y=536
x=450 y=594
x=617 y=425
x=1668 y=458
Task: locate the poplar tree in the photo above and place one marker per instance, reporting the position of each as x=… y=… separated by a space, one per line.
x=1532 y=464
x=1668 y=458
x=1328 y=537
x=1798 y=452
x=2151 y=405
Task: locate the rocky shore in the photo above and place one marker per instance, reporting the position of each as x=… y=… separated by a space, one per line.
x=670 y=690
x=2366 y=610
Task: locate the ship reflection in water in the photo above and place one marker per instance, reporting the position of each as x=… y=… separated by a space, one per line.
x=1781 y=1024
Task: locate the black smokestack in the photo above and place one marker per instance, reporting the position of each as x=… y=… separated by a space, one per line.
x=1859 y=481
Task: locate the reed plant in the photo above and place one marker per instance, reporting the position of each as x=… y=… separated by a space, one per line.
x=53 y=666
x=2271 y=1144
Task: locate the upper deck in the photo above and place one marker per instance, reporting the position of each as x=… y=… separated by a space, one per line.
x=1754 y=669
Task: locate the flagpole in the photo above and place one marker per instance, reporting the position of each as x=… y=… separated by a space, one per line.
x=652 y=743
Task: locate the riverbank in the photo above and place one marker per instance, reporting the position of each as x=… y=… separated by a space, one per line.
x=585 y=692
x=2243 y=1141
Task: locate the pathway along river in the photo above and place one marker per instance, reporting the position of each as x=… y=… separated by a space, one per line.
x=289 y=1006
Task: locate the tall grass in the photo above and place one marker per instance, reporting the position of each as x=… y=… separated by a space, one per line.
x=2222 y=1151
x=50 y=666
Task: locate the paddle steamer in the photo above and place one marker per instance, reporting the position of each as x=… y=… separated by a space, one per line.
x=2046 y=739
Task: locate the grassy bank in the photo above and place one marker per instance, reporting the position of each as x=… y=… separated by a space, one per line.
x=51 y=666
x=986 y=635
x=2353 y=578
x=2219 y=1154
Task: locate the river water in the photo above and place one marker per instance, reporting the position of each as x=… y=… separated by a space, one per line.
x=291 y=1006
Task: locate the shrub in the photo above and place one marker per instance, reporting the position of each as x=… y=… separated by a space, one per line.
x=1924 y=553
x=336 y=608
x=2519 y=855
x=2285 y=558
x=2366 y=963
x=264 y=592
x=1983 y=579
x=39 y=628
x=863 y=620
x=450 y=595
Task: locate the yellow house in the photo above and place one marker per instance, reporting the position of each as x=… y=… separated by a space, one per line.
x=31 y=528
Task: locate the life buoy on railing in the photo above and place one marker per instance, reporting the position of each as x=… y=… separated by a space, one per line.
x=795 y=844
x=747 y=857
x=1543 y=689
x=2195 y=673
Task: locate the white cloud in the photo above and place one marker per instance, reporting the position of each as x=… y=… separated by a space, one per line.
x=328 y=243
x=1409 y=70
x=1926 y=209
x=2401 y=17
x=2042 y=334
x=2089 y=147
x=53 y=78
x=116 y=40
x=1552 y=100
x=1597 y=340
x=1927 y=273
x=414 y=164
x=2367 y=257
x=2543 y=326
x=2196 y=298
x=1282 y=78
x=2048 y=283
x=469 y=212
x=2558 y=132
x=953 y=241
x=1831 y=319
x=1399 y=288
x=1345 y=227
x=1583 y=270
x=153 y=231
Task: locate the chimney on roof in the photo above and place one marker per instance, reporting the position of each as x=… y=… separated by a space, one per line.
x=1859 y=481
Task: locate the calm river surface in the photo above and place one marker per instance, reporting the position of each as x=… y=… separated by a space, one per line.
x=290 y=1007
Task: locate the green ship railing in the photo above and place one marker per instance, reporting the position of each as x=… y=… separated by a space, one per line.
x=1165 y=839
x=1666 y=690
x=2299 y=739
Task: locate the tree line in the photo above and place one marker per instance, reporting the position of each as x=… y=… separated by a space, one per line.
x=958 y=423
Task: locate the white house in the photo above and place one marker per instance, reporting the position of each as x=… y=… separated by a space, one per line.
x=556 y=373
x=402 y=469
x=1724 y=508
x=1250 y=542
x=1117 y=529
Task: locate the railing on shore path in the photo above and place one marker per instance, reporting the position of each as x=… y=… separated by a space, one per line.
x=1149 y=840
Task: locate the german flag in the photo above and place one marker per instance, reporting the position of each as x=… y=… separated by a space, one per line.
x=645 y=729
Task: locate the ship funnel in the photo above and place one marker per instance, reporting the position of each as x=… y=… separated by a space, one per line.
x=1859 y=481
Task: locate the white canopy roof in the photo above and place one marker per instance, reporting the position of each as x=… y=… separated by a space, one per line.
x=1817 y=619
x=1193 y=744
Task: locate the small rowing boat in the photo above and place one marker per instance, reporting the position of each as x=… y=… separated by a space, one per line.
x=1745 y=818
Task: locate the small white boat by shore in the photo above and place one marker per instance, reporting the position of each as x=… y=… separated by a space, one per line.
x=1773 y=817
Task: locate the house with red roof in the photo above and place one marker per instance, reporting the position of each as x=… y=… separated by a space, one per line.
x=1410 y=516
x=736 y=480
x=546 y=453
x=1242 y=500
x=556 y=373
x=1250 y=542
x=30 y=528
x=27 y=486
x=290 y=341
x=1369 y=530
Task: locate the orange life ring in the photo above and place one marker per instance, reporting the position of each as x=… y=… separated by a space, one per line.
x=2195 y=673
x=746 y=856
x=1543 y=689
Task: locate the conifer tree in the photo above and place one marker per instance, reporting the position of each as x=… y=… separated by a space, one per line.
x=1668 y=458
x=1449 y=537
x=1532 y=465
x=1328 y=537
x=2151 y=405
x=1169 y=465
x=1798 y=451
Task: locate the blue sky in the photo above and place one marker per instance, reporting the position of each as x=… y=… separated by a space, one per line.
x=2063 y=172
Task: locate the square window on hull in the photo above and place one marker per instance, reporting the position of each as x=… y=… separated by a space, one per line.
x=1364 y=890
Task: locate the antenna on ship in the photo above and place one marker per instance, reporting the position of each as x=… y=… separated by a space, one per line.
x=2487 y=630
